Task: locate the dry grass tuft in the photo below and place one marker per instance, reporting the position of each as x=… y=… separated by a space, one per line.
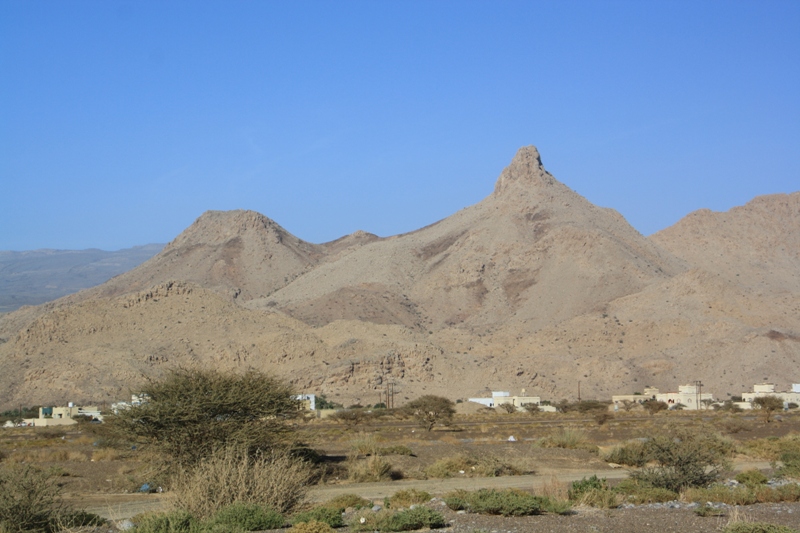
x=365 y=445
x=106 y=454
x=47 y=455
x=555 y=489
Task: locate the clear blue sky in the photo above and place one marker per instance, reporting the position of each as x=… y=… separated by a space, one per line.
x=121 y=122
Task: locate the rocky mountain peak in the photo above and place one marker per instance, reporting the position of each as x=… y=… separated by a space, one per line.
x=526 y=170
x=217 y=227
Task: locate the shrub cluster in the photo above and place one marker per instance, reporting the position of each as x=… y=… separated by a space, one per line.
x=407 y=498
x=568 y=438
x=634 y=453
x=313 y=526
x=495 y=502
x=327 y=515
x=471 y=465
x=30 y=500
x=235 y=518
x=346 y=501
x=743 y=495
x=684 y=459
x=405 y=520
x=756 y=527
x=751 y=478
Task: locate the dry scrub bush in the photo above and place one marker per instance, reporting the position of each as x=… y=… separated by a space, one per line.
x=756 y=527
x=771 y=448
x=509 y=502
x=407 y=498
x=47 y=456
x=685 y=458
x=106 y=454
x=328 y=515
x=555 y=489
x=633 y=453
x=471 y=465
x=735 y=425
x=751 y=478
x=373 y=468
x=30 y=500
x=398 y=449
x=313 y=526
x=244 y=517
x=600 y=498
x=406 y=520
x=744 y=495
x=169 y=522
x=568 y=438
x=365 y=445
x=346 y=501
x=275 y=479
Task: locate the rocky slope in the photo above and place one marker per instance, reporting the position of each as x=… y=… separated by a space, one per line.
x=534 y=287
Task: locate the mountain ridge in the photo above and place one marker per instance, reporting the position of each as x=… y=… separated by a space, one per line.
x=532 y=287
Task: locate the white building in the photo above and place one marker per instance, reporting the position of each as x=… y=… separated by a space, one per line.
x=690 y=396
x=136 y=400
x=504 y=397
x=309 y=401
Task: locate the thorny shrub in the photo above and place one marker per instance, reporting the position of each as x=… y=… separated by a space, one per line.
x=275 y=479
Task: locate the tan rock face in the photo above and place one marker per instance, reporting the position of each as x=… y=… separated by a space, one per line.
x=534 y=287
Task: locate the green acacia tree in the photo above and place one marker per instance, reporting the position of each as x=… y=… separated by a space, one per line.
x=768 y=405
x=430 y=410
x=189 y=414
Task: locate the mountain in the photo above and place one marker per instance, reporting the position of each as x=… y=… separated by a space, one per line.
x=756 y=245
x=533 y=287
x=504 y=259
x=38 y=276
x=239 y=253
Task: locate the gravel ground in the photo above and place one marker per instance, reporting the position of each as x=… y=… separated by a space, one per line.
x=632 y=520
x=657 y=518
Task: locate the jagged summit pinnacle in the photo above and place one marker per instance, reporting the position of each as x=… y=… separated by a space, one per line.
x=525 y=169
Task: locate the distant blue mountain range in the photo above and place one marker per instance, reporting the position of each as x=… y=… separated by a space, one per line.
x=38 y=276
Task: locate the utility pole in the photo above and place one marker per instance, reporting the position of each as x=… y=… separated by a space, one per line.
x=698 y=387
x=579 y=391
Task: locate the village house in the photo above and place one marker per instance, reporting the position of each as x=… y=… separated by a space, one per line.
x=504 y=397
x=768 y=389
x=307 y=401
x=136 y=400
x=688 y=397
x=648 y=394
x=63 y=416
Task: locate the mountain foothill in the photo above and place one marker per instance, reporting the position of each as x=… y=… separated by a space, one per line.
x=532 y=288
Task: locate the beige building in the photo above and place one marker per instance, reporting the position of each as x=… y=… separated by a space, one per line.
x=689 y=396
x=648 y=394
x=62 y=416
x=768 y=389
